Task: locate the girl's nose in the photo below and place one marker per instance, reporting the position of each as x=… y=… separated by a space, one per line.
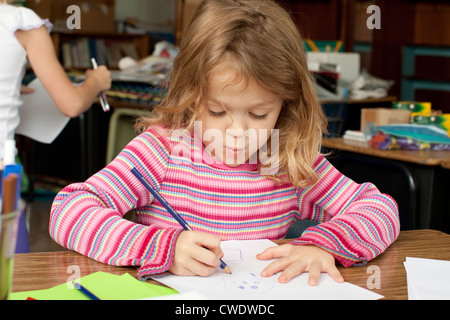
x=236 y=137
x=237 y=133
x=237 y=127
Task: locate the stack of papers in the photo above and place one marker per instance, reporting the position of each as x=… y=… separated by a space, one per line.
x=356 y=138
x=104 y=285
x=427 y=279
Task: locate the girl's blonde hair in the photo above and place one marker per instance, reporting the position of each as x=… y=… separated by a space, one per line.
x=265 y=45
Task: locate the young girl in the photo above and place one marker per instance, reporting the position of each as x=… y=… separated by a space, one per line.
x=234 y=148
x=24 y=35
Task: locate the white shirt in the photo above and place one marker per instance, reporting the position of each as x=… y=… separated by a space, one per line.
x=13 y=60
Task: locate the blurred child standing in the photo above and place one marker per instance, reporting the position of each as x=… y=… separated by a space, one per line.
x=24 y=35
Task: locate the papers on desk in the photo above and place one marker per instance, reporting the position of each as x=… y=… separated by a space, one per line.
x=246 y=283
x=129 y=76
x=134 y=76
x=104 y=285
x=40 y=118
x=427 y=279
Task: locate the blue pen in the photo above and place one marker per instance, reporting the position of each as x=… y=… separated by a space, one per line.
x=85 y=291
x=169 y=208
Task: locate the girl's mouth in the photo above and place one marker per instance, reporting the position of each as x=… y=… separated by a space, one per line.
x=234 y=152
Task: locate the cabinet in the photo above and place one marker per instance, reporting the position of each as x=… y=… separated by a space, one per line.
x=420 y=26
x=420 y=81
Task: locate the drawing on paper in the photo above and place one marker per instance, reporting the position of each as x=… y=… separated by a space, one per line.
x=232 y=255
x=247 y=285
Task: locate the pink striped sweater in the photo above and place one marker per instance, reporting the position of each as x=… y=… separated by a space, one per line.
x=357 y=222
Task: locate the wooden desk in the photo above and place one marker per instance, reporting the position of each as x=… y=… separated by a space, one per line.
x=445 y=164
x=35 y=271
x=388 y=99
x=425 y=157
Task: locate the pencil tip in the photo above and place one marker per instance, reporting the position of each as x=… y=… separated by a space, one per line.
x=227 y=270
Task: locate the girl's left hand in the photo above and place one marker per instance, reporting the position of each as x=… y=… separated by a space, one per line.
x=294 y=260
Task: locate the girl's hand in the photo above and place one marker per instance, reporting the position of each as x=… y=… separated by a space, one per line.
x=101 y=76
x=294 y=260
x=196 y=253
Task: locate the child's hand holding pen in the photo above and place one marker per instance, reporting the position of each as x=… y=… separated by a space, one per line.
x=102 y=76
x=196 y=253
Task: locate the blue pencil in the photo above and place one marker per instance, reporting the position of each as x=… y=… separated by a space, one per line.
x=85 y=291
x=171 y=210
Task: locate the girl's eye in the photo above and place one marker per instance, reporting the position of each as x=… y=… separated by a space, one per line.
x=258 y=117
x=216 y=114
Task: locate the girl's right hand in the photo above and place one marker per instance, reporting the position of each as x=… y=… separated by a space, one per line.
x=101 y=76
x=196 y=253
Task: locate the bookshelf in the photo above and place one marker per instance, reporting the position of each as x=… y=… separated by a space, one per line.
x=94 y=36
x=75 y=50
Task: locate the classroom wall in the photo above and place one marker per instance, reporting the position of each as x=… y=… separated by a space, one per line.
x=416 y=23
x=156 y=12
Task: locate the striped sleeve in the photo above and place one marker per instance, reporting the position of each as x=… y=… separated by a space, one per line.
x=358 y=222
x=88 y=217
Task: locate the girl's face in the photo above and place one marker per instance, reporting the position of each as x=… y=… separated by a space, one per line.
x=238 y=117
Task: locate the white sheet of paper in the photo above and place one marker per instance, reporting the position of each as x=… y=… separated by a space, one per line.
x=40 y=118
x=246 y=283
x=427 y=279
x=193 y=295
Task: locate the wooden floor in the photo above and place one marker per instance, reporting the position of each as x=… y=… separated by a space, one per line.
x=38 y=214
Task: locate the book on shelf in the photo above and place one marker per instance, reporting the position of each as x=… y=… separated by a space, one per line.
x=77 y=53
